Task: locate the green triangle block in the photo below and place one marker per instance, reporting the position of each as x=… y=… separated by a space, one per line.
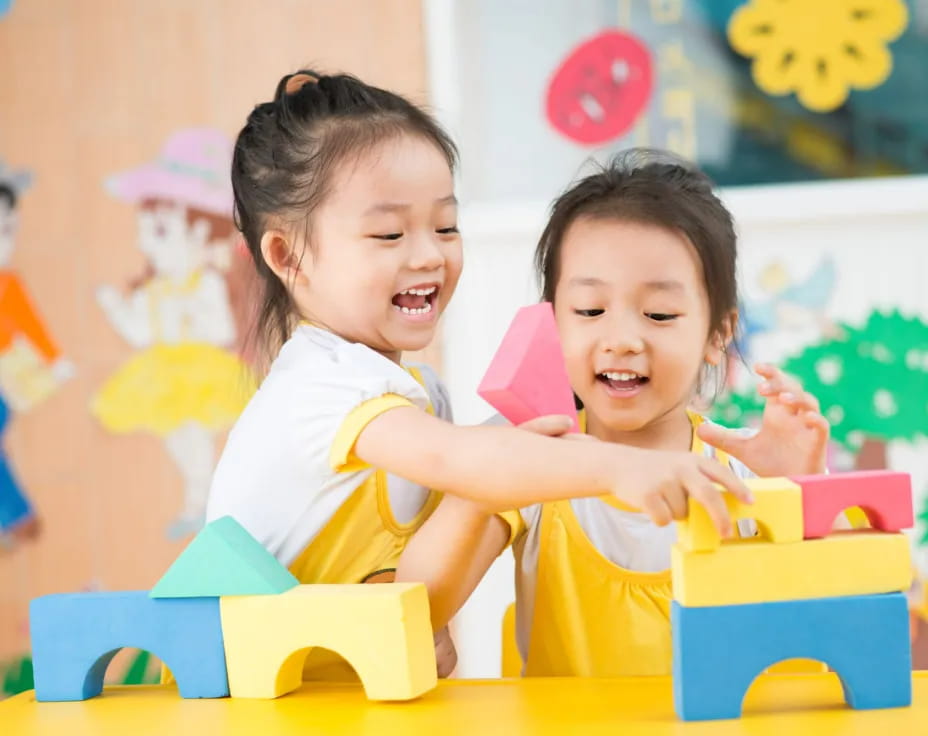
x=224 y=559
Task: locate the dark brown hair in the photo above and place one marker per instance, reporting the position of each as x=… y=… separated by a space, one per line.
x=653 y=188
x=284 y=158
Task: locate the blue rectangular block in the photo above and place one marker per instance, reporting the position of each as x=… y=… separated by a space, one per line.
x=76 y=635
x=719 y=650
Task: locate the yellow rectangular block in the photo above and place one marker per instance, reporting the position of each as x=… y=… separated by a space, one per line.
x=383 y=631
x=777 y=509
x=757 y=571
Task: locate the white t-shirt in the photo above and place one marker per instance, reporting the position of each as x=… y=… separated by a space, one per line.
x=625 y=538
x=275 y=475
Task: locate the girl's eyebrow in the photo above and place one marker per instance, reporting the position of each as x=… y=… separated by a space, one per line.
x=388 y=207
x=586 y=281
x=665 y=285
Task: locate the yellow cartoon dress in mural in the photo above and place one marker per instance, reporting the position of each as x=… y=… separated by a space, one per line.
x=185 y=384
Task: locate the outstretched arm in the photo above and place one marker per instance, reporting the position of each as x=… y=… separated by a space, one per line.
x=502 y=468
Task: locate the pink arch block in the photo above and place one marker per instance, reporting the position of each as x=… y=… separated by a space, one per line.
x=527 y=377
x=884 y=496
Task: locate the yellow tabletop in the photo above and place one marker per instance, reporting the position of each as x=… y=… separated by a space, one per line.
x=776 y=704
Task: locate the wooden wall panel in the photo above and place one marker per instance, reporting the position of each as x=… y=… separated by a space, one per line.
x=91 y=88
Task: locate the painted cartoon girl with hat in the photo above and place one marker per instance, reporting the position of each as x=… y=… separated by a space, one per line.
x=183 y=384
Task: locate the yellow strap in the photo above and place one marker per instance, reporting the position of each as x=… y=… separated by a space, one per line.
x=341 y=455
x=516 y=525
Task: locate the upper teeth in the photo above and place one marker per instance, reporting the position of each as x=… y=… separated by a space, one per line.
x=623 y=376
x=420 y=292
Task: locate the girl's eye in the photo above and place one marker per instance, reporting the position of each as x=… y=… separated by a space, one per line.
x=589 y=312
x=388 y=236
x=449 y=230
x=661 y=317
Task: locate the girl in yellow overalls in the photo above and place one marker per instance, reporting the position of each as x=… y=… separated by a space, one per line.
x=639 y=261
x=344 y=194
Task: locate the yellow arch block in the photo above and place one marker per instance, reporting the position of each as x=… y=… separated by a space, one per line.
x=777 y=509
x=752 y=571
x=383 y=631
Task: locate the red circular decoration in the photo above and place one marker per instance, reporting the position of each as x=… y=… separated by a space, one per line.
x=601 y=88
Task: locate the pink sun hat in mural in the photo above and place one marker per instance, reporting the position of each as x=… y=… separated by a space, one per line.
x=193 y=168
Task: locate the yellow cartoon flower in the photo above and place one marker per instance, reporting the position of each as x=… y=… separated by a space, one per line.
x=818 y=48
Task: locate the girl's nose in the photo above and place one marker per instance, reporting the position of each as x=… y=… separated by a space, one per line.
x=426 y=255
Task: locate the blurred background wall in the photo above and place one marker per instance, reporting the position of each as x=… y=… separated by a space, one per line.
x=123 y=290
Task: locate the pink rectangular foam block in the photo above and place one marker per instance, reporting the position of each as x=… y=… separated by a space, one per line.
x=884 y=496
x=527 y=377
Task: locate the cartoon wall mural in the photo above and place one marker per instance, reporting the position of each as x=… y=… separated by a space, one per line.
x=847 y=50
x=602 y=87
x=184 y=384
x=31 y=364
x=871 y=380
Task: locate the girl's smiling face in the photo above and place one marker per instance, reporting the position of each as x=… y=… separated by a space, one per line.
x=633 y=316
x=384 y=253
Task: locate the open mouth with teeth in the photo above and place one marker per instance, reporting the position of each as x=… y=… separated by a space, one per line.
x=622 y=380
x=416 y=301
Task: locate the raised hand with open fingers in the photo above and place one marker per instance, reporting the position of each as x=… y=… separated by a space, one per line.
x=793 y=437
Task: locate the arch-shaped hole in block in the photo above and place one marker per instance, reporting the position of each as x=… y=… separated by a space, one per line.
x=126 y=665
x=133 y=666
x=796 y=666
x=884 y=496
x=753 y=697
x=93 y=679
x=859 y=517
x=323 y=664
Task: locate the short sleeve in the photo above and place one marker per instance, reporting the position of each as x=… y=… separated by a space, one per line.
x=341 y=456
x=347 y=390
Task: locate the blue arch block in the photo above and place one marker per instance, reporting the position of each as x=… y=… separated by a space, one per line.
x=719 y=650
x=76 y=635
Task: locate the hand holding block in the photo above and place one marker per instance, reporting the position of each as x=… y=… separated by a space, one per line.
x=883 y=495
x=383 y=631
x=527 y=377
x=777 y=508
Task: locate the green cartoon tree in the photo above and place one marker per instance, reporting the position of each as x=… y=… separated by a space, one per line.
x=871 y=380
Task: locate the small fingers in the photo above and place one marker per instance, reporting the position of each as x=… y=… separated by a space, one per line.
x=677 y=501
x=705 y=492
x=798 y=402
x=551 y=425
x=777 y=382
x=724 y=475
x=814 y=420
x=579 y=437
x=657 y=508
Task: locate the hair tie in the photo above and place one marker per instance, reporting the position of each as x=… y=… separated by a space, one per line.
x=297 y=82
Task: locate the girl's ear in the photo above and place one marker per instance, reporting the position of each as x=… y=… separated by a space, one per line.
x=280 y=256
x=720 y=339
